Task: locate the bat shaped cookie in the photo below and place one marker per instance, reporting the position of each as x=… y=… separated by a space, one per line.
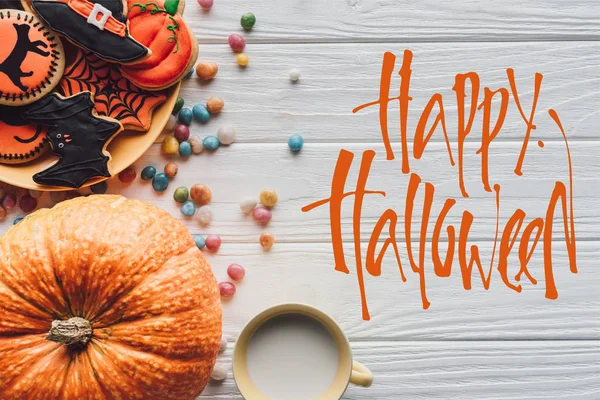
x=77 y=135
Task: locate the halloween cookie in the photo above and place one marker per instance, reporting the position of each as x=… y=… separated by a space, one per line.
x=114 y=96
x=158 y=25
x=20 y=140
x=11 y=4
x=31 y=58
x=99 y=26
x=78 y=137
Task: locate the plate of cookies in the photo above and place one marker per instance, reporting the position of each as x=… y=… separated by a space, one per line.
x=86 y=86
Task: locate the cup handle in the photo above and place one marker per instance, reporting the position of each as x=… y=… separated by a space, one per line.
x=361 y=375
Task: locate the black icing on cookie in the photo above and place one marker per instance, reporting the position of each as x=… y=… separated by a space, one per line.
x=77 y=136
x=11 y=4
x=101 y=37
x=20 y=140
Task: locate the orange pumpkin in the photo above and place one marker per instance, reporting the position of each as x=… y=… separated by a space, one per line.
x=105 y=298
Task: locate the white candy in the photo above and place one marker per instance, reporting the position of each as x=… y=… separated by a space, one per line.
x=223 y=344
x=248 y=204
x=219 y=372
x=294 y=75
x=197 y=144
x=204 y=215
x=171 y=123
x=226 y=135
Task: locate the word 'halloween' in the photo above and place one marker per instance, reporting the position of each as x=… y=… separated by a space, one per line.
x=506 y=239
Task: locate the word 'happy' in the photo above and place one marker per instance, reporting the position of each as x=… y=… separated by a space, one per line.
x=468 y=256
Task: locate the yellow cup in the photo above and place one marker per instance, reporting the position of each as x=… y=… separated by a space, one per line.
x=348 y=370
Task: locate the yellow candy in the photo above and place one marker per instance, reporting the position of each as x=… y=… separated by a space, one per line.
x=268 y=197
x=266 y=241
x=170 y=145
x=242 y=59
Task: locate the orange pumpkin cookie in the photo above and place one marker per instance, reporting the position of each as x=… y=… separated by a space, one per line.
x=31 y=58
x=20 y=140
x=159 y=26
x=114 y=96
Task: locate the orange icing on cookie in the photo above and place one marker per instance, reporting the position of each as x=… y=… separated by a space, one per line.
x=169 y=39
x=21 y=143
x=28 y=57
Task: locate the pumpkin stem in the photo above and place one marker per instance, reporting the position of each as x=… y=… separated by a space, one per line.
x=171 y=6
x=74 y=331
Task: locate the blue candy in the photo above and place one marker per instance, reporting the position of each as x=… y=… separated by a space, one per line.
x=160 y=182
x=211 y=143
x=185 y=116
x=201 y=113
x=295 y=142
x=17 y=220
x=148 y=173
x=188 y=208
x=200 y=241
x=185 y=149
x=189 y=74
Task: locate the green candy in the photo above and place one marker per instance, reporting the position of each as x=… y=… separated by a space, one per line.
x=178 y=105
x=181 y=194
x=248 y=20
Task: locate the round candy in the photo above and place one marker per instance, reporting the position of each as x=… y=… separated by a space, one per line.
x=236 y=272
x=71 y=194
x=27 y=203
x=242 y=59
x=197 y=144
x=247 y=21
x=160 y=182
x=170 y=145
x=201 y=113
x=206 y=4
x=268 y=197
x=36 y=194
x=178 y=105
x=128 y=174
x=57 y=197
x=17 y=220
x=171 y=123
x=148 y=173
x=185 y=149
x=20 y=192
x=215 y=104
x=219 y=372
x=181 y=133
x=223 y=344
x=294 y=75
x=185 y=116
x=188 y=208
x=207 y=71
x=189 y=74
x=201 y=194
x=295 y=142
x=205 y=215
x=213 y=242
x=226 y=135
x=227 y=289
x=3 y=213
x=236 y=42
x=99 y=188
x=266 y=241
x=181 y=194
x=10 y=201
x=171 y=169
x=200 y=241
x=247 y=205
x=262 y=214
x=211 y=142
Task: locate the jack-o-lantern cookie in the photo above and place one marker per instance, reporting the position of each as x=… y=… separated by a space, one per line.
x=31 y=58
x=114 y=96
x=159 y=26
x=20 y=140
x=99 y=26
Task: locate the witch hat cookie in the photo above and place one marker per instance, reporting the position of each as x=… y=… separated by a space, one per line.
x=77 y=135
x=96 y=25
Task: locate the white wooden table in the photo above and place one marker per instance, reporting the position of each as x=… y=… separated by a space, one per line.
x=476 y=344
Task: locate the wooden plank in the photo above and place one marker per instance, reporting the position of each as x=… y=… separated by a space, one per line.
x=304 y=273
x=265 y=107
x=376 y=20
x=467 y=370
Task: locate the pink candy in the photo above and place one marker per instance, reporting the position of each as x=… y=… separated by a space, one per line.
x=10 y=201
x=262 y=214
x=236 y=272
x=206 y=4
x=213 y=242
x=237 y=43
x=181 y=133
x=227 y=289
x=27 y=203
